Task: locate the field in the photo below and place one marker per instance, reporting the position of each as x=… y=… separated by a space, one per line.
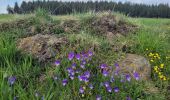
x=87 y=62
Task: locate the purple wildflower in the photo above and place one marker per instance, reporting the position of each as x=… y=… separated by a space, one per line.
x=82 y=65
x=81 y=90
x=84 y=62
x=106 y=84
x=11 y=80
x=116 y=89
x=116 y=65
x=116 y=72
x=87 y=74
x=85 y=77
x=64 y=82
x=85 y=56
x=71 y=55
x=82 y=78
x=105 y=73
x=78 y=56
x=103 y=66
x=128 y=78
x=90 y=53
x=136 y=75
x=98 y=97
x=78 y=71
x=74 y=66
x=128 y=98
x=69 y=69
x=71 y=77
x=109 y=89
x=91 y=86
x=57 y=62
x=112 y=79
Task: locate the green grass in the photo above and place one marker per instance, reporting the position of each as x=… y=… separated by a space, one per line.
x=9 y=18
x=34 y=77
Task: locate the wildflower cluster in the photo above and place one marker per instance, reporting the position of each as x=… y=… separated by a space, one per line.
x=92 y=78
x=159 y=67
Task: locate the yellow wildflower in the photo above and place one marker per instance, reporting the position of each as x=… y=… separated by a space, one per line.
x=164 y=78
x=161 y=76
x=162 y=66
x=152 y=60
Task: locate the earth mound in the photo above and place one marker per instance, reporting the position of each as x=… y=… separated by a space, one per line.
x=109 y=25
x=42 y=47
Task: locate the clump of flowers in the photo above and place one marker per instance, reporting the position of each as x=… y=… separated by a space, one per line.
x=92 y=76
x=158 y=66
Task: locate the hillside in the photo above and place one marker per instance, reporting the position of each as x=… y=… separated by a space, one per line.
x=87 y=56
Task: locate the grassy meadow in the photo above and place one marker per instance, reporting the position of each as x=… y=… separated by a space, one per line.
x=22 y=77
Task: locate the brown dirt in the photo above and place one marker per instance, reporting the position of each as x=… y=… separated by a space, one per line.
x=108 y=25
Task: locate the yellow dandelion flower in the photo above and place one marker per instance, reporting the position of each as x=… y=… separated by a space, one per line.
x=147 y=49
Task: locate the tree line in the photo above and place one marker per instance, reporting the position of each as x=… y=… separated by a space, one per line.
x=59 y=8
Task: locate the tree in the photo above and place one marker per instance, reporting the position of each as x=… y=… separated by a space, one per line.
x=10 y=10
x=17 y=8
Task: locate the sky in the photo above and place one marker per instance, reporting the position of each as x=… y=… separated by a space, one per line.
x=4 y=3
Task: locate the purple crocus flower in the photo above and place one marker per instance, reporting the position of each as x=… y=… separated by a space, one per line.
x=91 y=86
x=90 y=53
x=109 y=89
x=98 y=97
x=81 y=90
x=11 y=80
x=105 y=73
x=136 y=76
x=128 y=78
x=106 y=84
x=64 y=82
x=116 y=89
x=57 y=62
x=78 y=56
x=71 y=55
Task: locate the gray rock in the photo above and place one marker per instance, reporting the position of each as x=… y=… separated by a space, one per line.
x=133 y=62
